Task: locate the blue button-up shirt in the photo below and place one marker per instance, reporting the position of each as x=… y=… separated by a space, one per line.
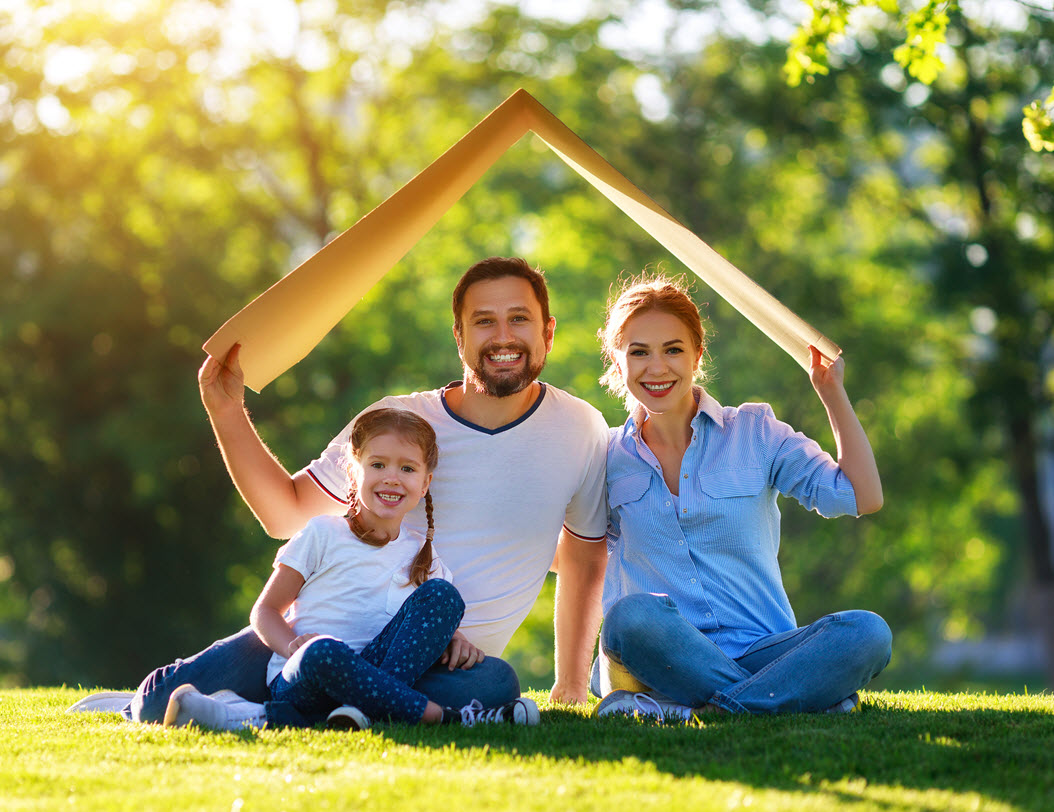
x=713 y=547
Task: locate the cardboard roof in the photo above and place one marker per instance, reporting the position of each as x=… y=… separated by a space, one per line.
x=284 y=323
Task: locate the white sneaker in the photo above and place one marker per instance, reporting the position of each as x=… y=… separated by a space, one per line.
x=348 y=717
x=850 y=704
x=521 y=711
x=102 y=702
x=188 y=705
x=628 y=703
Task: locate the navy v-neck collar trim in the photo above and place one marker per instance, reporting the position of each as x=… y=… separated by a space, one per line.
x=499 y=429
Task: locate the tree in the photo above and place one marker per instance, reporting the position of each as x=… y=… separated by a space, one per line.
x=925 y=31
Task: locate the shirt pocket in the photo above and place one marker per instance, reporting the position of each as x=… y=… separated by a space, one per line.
x=398 y=591
x=732 y=515
x=733 y=483
x=627 y=489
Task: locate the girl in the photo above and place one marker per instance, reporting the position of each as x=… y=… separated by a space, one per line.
x=356 y=611
x=695 y=613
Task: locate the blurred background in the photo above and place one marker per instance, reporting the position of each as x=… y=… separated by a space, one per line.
x=162 y=163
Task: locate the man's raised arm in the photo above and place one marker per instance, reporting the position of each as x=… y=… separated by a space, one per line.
x=282 y=503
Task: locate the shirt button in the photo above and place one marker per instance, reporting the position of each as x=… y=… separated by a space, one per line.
x=680 y=542
x=708 y=614
x=693 y=580
x=686 y=476
x=685 y=510
x=667 y=504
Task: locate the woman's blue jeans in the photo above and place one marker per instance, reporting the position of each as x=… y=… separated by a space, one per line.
x=649 y=646
x=239 y=663
x=326 y=673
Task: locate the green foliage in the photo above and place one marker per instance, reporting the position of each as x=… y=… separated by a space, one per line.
x=901 y=751
x=182 y=182
x=1038 y=125
x=926 y=30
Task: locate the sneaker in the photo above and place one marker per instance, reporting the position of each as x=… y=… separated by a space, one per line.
x=188 y=705
x=521 y=711
x=628 y=703
x=850 y=704
x=102 y=702
x=348 y=717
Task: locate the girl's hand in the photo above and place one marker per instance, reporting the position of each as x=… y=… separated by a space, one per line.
x=460 y=653
x=297 y=642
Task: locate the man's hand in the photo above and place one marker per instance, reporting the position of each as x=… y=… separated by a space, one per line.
x=460 y=653
x=563 y=695
x=222 y=383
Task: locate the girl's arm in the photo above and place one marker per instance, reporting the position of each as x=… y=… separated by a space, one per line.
x=855 y=456
x=267 y=617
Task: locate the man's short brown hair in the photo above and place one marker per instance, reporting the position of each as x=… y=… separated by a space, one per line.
x=498 y=268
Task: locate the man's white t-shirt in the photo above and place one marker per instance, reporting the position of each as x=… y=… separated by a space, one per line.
x=500 y=499
x=351 y=589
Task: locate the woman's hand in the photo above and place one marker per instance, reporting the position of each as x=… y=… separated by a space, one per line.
x=460 y=653
x=827 y=377
x=297 y=642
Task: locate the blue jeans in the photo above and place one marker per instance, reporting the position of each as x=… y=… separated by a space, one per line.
x=239 y=663
x=326 y=673
x=807 y=669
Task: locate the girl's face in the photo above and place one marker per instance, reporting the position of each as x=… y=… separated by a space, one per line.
x=391 y=478
x=658 y=360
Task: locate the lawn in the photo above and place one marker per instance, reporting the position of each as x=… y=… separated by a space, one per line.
x=902 y=751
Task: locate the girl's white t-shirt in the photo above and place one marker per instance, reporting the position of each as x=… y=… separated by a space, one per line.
x=351 y=589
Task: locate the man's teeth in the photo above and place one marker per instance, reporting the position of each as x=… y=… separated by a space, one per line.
x=657 y=387
x=504 y=357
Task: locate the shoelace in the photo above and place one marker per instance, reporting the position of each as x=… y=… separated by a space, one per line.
x=473 y=713
x=643 y=701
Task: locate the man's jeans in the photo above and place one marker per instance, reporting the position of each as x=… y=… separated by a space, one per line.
x=649 y=646
x=239 y=663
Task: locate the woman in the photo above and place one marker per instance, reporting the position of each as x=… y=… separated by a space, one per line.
x=695 y=613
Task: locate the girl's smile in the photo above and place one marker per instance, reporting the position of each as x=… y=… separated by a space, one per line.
x=391 y=477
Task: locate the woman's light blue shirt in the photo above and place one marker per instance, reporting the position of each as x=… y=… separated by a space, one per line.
x=713 y=548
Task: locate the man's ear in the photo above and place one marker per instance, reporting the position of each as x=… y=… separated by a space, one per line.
x=550 y=333
x=457 y=337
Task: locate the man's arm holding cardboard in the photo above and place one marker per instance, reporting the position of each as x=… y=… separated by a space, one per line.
x=282 y=503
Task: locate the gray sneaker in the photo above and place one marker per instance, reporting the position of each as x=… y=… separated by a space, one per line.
x=850 y=704
x=348 y=717
x=628 y=703
x=223 y=711
x=521 y=711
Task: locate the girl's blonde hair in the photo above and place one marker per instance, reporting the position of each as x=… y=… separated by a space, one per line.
x=414 y=429
x=642 y=295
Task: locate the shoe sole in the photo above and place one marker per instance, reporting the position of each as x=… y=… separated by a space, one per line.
x=102 y=702
x=173 y=709
x=343 y=720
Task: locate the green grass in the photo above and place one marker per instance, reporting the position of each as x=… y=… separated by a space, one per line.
x=902 y=751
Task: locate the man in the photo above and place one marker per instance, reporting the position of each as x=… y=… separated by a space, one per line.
x=520 y=484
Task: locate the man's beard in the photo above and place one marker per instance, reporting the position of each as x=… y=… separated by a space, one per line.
x=502 y=384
